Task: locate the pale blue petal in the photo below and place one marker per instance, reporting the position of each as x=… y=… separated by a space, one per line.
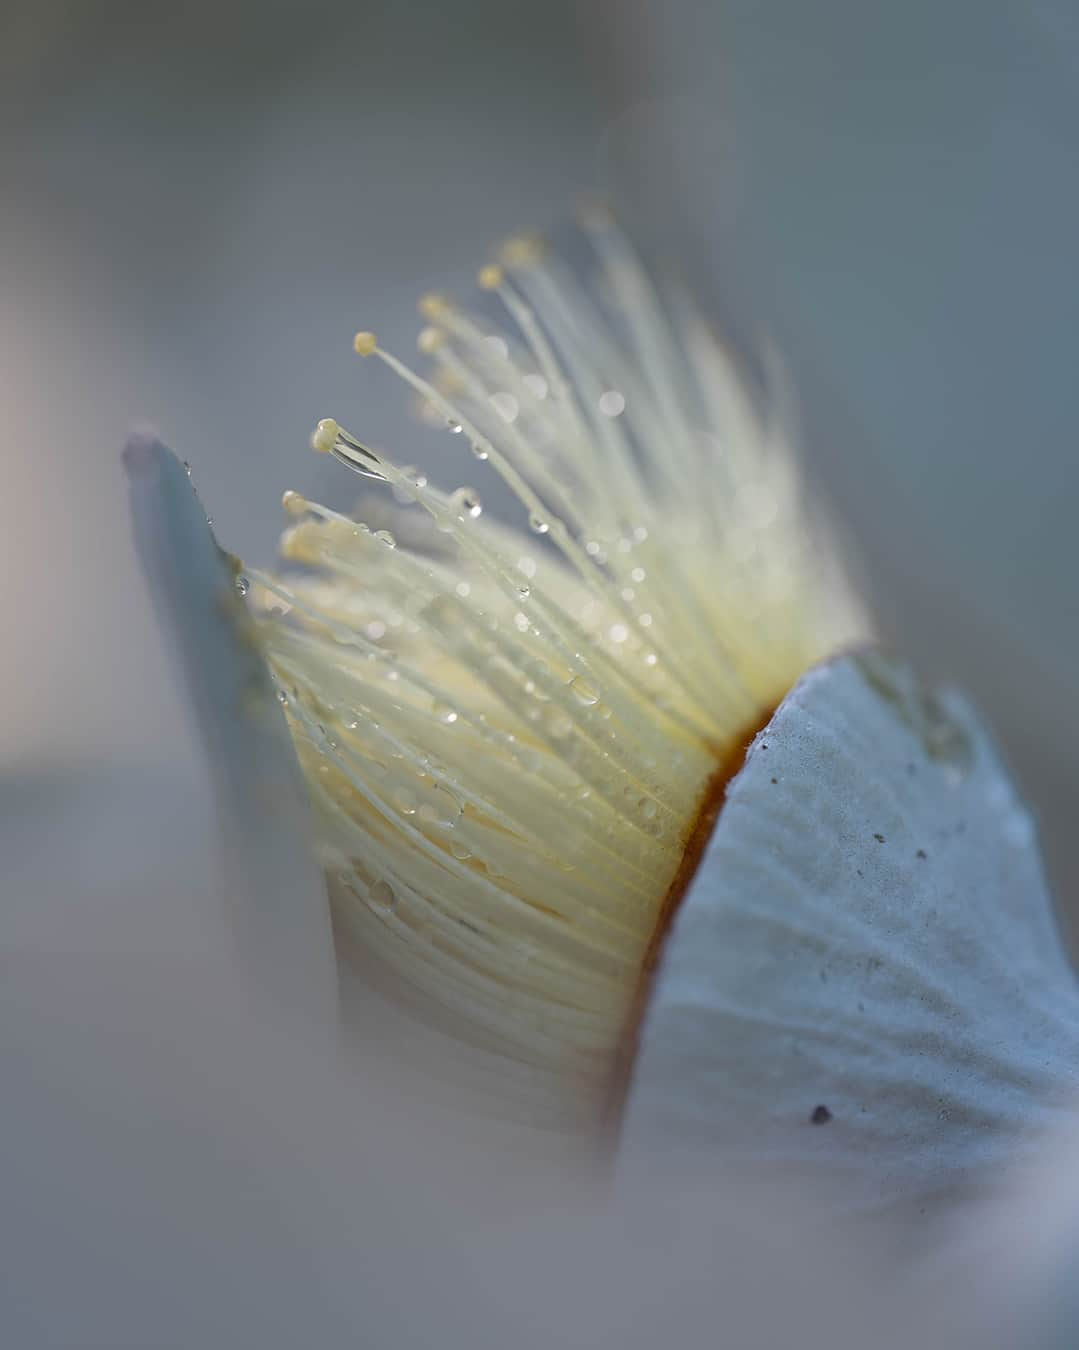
x=276 y=892
x=865 y=982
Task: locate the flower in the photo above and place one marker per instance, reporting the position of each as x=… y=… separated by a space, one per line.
x=515 y=739
x=515 y=779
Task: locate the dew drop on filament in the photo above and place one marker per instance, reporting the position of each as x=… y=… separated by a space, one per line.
x=382 y=897
x=466 y=502
x=405 y=802
x=584 y=691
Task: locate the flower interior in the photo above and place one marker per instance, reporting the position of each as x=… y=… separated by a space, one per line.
x=511 y=732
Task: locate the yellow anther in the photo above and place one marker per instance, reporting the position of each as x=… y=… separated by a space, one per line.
x=295 y=544
x=325 y=436
x=430 y=339
x=523 y=250
x=364 y=344
x=490 y=277
x=295 y=503
x=433 y=306
x=447 y=382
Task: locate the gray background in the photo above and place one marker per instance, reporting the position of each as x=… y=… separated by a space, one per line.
x=199 y=208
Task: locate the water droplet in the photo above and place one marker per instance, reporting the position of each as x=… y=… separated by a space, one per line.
x=524 y=591
x=479 y=451
x=384 y=537
x=612 y=403
x=637 y=575
x=537 y=524
x=445 y=713
x=382 y=897
x=455 y=427
x=466 y=502
x=282 y=697
x=443 y=810
x=650 y=658
x=413 y=477
x=460 y=850
x=405 y=801
x=584 y=691
x=618 y=632
x=347 y=450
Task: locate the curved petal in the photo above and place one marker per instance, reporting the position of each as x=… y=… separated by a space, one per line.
x=277 y=896
x=865 y=981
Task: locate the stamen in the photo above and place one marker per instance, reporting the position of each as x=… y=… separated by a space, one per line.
x=508 y=744
x=578 y=556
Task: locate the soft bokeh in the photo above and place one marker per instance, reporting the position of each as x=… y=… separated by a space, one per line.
x=201 y=204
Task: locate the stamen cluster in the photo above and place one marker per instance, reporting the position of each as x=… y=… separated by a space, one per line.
x=509 y=733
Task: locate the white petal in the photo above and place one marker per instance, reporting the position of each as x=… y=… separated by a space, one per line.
x=277 y=895
x=869 y=942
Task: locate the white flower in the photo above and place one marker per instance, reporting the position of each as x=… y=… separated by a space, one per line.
x=516 y=743
x=515 y=739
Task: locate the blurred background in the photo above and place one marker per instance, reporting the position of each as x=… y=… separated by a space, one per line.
x=202 y=203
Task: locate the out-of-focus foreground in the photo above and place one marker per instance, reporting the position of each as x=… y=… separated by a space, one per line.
x=200 y=206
